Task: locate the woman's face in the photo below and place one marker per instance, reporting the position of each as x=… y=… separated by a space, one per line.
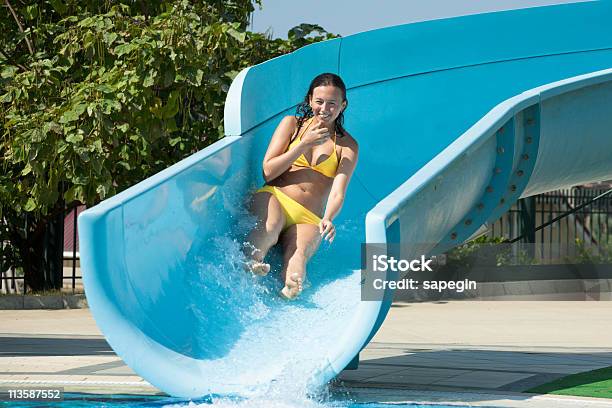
x=327 y=103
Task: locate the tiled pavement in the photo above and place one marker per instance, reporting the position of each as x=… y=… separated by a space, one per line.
x=494 y=347
x=64 y=348
x=488 y=346
x=457 y=368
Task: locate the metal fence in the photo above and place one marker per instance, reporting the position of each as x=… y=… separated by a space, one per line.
x=12 y=281
x=584 y=225
x=588 y=229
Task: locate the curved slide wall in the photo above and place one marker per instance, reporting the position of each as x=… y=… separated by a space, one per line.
x=455 y=118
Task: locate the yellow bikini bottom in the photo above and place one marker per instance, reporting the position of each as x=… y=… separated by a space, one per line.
x=295 y=213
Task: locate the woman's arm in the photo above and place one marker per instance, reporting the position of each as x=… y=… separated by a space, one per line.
x=335 y=200
x=278 y=159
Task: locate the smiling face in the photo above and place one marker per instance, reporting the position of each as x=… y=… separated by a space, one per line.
x=327 y=102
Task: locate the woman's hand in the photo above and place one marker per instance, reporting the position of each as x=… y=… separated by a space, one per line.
x=327 y=230
x=316 y=135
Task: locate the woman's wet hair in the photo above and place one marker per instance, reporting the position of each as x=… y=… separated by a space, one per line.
x=304 y=111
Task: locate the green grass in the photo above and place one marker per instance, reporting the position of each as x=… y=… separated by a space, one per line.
x=596 y=383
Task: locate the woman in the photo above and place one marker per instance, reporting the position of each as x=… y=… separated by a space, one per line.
x=307 y=169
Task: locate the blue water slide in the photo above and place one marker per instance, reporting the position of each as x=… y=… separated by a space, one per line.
x=455 y=119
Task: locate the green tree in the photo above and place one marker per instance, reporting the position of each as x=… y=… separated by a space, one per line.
x=98 y=95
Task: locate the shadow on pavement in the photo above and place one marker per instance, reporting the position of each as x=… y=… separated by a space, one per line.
x=50 y=346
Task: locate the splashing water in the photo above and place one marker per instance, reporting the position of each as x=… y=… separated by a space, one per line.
x=259 y=347
x=263 y=402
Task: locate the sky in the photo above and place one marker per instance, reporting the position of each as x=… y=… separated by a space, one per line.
x=347 y=17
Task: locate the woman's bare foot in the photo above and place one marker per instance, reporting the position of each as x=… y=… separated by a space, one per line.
x=293 y=287
x=257 y=268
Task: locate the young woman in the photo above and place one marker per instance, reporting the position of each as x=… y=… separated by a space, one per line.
x=307 y=169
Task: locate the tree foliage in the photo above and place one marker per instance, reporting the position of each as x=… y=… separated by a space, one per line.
x=98 y=95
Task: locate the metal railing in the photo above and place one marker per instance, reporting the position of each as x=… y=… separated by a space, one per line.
x=583 y=222
x=570 y=221
x=12 y=280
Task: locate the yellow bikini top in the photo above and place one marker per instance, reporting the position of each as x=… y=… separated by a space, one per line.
x=327 y=167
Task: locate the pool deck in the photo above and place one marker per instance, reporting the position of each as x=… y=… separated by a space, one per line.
x=468 y=352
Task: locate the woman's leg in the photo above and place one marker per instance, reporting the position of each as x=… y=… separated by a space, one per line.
x=270 y=223
x=300 y=241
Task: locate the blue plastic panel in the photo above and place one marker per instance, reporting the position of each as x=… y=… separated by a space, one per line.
x=576 y=118
x=408 y=111
x=268 y=89
x=438 y=45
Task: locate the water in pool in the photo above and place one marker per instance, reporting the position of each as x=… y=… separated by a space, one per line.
x=74 y=400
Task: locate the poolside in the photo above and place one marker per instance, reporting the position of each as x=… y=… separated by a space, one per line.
x=479 y=353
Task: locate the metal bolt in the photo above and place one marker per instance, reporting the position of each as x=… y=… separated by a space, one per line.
x=502 y=201
x=520 y=173
x=529 y=121
x=500 y=150
x=513 y=188
x=529 y=140
x=480 y=206
x=489 y=189
x=454 y=235
x=525 y=156
x=468 y=222
x=497 y=170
